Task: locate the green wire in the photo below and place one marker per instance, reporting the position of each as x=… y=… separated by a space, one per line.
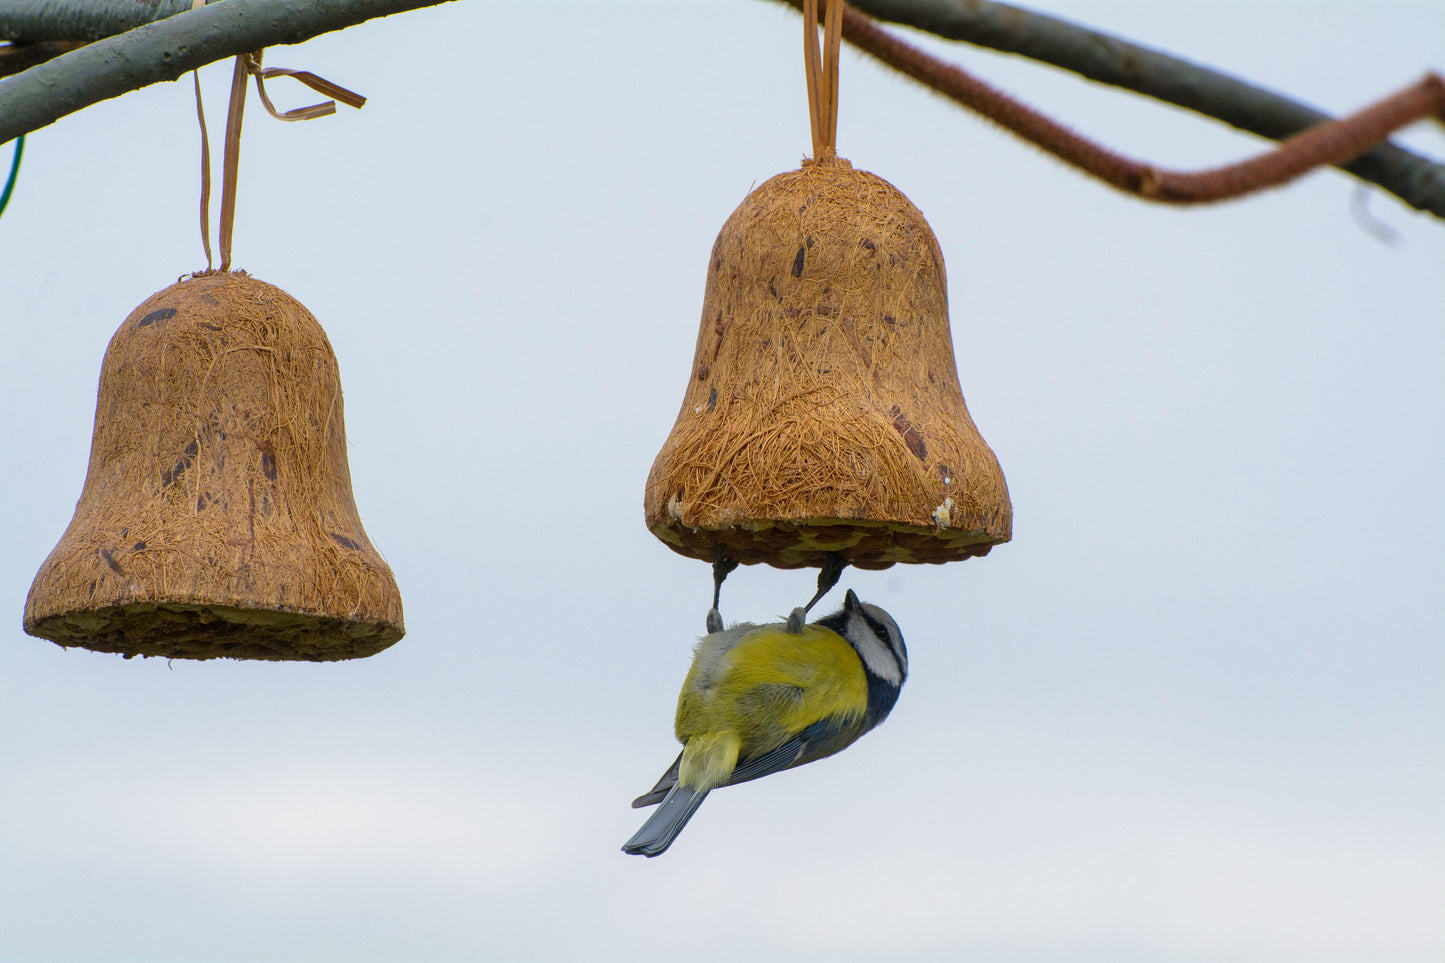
x=14 y=170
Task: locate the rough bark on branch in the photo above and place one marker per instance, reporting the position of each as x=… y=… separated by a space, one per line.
x=38 y=21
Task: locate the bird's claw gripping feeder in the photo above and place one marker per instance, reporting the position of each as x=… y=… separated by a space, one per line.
x=823 y=422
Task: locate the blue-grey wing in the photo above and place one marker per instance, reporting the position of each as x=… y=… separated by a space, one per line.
x=768 y=763
x=822 y=738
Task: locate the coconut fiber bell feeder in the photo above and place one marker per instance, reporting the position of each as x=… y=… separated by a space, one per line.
x=823 y=413
x=217 y=518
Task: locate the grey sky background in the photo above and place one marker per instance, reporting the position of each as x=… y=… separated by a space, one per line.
x=1194 y=711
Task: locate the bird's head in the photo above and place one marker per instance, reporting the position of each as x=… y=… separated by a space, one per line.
x=874 y=636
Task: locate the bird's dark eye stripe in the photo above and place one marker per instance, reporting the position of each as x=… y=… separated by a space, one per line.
x=882 y=631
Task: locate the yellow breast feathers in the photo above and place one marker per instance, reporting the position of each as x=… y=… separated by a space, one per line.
x=753 y=688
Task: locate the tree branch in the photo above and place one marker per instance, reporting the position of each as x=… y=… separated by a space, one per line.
x=37 y=21
x=15 y=57
x=182 y=39
x=1110 y=60
x=166 y=49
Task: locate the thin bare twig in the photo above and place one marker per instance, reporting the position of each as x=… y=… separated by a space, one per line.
x=1107 y=59
x=1335 y=144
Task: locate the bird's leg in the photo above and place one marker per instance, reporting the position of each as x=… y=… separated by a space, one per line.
x=721 y=567
x=828 y=575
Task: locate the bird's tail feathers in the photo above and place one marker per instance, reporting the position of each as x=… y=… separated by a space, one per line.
x=663 y=825
x=664 y=786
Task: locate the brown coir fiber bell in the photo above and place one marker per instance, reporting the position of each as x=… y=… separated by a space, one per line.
x=824 y=413
x=217 y=517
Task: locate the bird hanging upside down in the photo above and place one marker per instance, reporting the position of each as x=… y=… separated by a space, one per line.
x=763 y=698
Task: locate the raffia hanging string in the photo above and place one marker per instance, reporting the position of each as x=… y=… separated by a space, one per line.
x=205 y=161
x=231 y=160
x=821 y=68
x=319 y=84
x=248 y=65
x=205 y=173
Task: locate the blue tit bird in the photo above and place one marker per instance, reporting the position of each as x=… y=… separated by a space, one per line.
x=763 y=698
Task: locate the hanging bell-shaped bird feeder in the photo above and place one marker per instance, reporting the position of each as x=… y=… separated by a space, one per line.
x=823 y=414
x=217 y=518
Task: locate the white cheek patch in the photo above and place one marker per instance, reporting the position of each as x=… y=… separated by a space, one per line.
x=874 y=652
